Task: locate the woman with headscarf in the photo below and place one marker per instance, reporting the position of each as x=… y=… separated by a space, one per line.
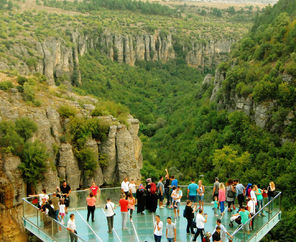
x=248 y=190
x=140 y=195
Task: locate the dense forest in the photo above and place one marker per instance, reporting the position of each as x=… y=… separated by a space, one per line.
x=182 y=128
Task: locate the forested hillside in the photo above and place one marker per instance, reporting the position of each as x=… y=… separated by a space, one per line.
x=211 y=127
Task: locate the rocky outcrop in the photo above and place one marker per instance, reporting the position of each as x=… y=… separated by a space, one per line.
x=58 y=59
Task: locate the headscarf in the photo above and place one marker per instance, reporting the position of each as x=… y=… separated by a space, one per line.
x=247 y=188
x=149 y=180
x=141 y=187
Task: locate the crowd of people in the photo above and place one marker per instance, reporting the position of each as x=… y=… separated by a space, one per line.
x=140 y=197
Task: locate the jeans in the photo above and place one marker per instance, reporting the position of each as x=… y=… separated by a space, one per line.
x=221 y=206
x=167 y=195
x=110 y=223
x=91 y=210
x=240 y=199
x=199 y=231
x=170 y=239
x=73 y=236
x=189 y=226
x=124 y=219
x=260 y=205
x=56 y=215
x=157 y=238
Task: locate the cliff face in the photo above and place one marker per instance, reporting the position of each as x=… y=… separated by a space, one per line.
x=58 y=59
x=122 y=149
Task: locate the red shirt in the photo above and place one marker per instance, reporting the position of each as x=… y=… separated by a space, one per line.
x=123 y=205
x=94 y=190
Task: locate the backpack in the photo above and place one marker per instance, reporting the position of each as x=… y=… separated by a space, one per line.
x=153 y=188
x=230 y=193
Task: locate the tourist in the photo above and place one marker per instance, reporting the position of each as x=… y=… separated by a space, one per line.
x=62 y=211
x=223 y=230
x=71 y=226
x=248 y=190
x=132 y=188
x=41 y=196
x=217 y=235
x=230 y=195
x=167 y=188
x=253 y=194
x=160 y=189
x=271 y=195
x=125 y=186
x=94 y=189
x=200 y=225
x=245 y=215
x=201 y=194
x=216 y=188
x=50 y=209
x=55 y=201
x=259 y=196
x=221 y=197
x=176 y=196
x=171 y=233
x=140 y=195
x=252 y=210
x=151 y=198
x=124 y=210
x=109 y=212
x=157 y=231
x=192 y=191
x=189 y=215
x=239 y=192
x=131 y=204
x=65 y=192
x=91 y=206
x=58 y=192
x=174 y=181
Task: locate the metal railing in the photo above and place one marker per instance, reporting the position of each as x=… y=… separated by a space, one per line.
x=245 y=233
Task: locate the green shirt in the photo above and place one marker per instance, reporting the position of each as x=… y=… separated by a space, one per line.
x=259 y=197
x=244 y=216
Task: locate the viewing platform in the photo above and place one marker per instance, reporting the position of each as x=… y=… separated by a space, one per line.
x=141 y=229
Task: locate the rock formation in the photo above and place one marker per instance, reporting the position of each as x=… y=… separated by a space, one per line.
x=58 y=59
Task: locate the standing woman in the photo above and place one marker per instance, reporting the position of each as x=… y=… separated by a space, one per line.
x=201 y=194
x=109 y=212
x=91 y=206
x=230 y=194
x=271 y=194
x=140 y=195
x=259 y=195
x=221 y=197
x=131 y=204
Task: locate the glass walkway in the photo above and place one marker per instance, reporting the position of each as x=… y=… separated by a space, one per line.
x=141 y=229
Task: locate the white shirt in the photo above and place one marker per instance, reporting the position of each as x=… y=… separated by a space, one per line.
x=253 y=196
x=251 y=206
x=41 y=196
x=132 y=187
x=156 y=231
x=110 y=209
x=62 y=208
x=71 y=224
x=124 y=186
x=200 y=221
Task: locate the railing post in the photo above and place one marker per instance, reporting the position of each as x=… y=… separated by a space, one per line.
x=37 y=218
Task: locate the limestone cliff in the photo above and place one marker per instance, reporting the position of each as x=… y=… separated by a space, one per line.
x=58 y=59
x=122 y=148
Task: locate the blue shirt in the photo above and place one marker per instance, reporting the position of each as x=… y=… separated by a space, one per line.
x=192 y=189
x=239 y=189
x=174 y=183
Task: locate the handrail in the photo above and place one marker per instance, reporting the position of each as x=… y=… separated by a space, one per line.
x=52 y=219
x=250 y=219
x=98 y=237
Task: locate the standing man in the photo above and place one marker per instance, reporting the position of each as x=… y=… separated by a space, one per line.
x=239 y=192
x=217 y=235
x=160 y=188
x=125 y=186
x=109 y=212
x=171 y=233
x=216 y=188
x=223 y=231
x=174 y=181
x=71 y=227
x=66 y=190
x=124 y=210
x=200 y=225
x=192 y=191
x=167 y=188
x=158 y=226
x=55 y=202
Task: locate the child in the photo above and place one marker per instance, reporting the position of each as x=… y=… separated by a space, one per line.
x=131 y=204
x=215 y=206
x=62 y=210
